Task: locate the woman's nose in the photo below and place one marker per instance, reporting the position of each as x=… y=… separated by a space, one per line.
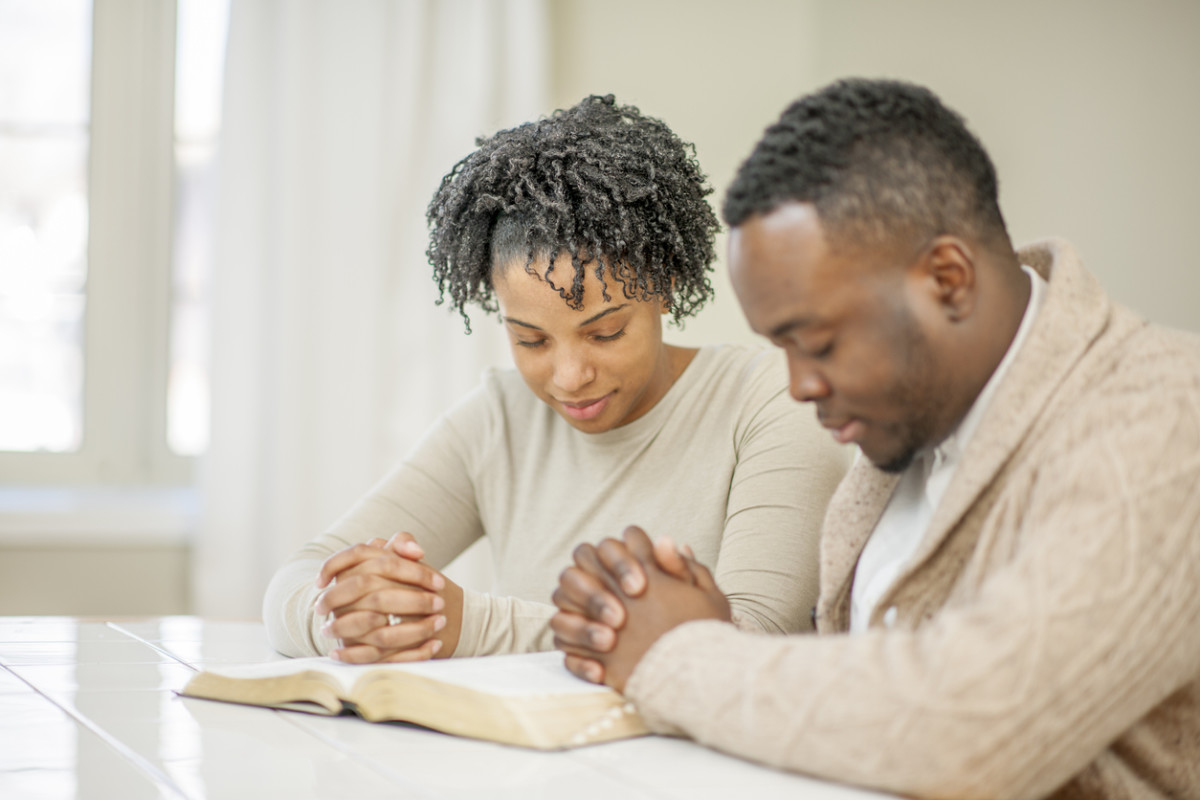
x=572 y=370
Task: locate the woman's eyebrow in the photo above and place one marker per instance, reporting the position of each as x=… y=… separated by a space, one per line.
x=515 y=321
x=603 y=313
x=587 y=321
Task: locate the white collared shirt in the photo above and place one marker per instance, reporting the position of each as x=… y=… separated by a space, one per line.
x=906 y=519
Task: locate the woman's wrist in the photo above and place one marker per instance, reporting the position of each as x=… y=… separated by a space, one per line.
x=452 y=596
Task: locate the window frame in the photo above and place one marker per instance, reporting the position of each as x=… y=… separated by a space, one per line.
x=131 y=202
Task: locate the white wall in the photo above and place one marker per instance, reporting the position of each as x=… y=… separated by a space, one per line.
x=1088 y=107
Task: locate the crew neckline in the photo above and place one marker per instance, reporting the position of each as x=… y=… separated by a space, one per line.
x=653 y=418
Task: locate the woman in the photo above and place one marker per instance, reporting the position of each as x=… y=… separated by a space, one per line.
x=582 y=231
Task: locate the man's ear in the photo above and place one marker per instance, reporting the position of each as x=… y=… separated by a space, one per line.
x=949 y=265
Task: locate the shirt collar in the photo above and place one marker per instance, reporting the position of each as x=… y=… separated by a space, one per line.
x=944 y=458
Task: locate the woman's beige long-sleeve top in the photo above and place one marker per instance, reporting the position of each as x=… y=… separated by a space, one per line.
x=725 y=462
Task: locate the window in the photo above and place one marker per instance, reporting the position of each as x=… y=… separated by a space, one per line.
x=108 y=118
x=45 y=55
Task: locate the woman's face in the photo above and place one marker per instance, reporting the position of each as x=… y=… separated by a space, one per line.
x=599 y=366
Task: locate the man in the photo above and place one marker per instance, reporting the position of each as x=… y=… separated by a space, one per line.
x=1010 y=573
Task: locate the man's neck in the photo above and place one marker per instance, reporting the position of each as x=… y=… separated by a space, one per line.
x=1004 y=294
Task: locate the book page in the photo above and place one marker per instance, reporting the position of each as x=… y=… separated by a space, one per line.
x=344 y=674
x=509 y=675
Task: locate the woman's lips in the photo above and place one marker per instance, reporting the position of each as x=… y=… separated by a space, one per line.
x=588 y=409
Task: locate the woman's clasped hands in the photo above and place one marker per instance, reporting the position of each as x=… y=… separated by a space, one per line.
x=385 y=604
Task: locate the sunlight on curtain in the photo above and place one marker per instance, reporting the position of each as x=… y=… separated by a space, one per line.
x=199 y=64
x=329 y=356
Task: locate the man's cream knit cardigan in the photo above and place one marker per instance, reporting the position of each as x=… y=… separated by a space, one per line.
x=1047 y=634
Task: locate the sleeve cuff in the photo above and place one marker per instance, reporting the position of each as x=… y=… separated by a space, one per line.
x=650 y=687
x=475 y=612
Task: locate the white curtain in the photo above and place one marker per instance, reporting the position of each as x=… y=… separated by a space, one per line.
x=329 y=356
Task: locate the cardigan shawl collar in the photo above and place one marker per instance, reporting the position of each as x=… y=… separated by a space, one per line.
x=1076 y=311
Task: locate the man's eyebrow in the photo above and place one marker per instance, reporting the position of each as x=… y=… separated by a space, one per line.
x=805 y=321
x=587 y=321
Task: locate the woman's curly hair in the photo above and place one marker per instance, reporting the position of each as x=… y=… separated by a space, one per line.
x=616 y=190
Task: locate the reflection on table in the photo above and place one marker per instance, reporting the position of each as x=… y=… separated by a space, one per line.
x=88 y=709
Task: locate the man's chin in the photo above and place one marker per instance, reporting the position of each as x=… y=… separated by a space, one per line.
x=893 y=464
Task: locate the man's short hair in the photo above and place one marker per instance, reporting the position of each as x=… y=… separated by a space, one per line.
x=883 y=162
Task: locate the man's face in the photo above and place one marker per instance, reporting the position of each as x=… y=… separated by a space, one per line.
x=848 y=321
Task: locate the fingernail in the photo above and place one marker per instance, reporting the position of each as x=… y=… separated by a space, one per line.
x=336 y=655
x=593 y=673
x=610 y=617
x=600 y=638
x=439 y=622
x=439 y=582
x=437 y=645
x=438 y=603
x=414 y=549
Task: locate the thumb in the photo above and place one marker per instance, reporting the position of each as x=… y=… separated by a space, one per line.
x=671 y=560
x=405 y=544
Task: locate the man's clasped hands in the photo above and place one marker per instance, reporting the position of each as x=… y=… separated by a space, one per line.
x=614 y=602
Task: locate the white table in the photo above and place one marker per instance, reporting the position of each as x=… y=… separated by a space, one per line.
x=88 y=709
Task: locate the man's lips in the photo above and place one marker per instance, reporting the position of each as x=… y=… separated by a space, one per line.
x=846 y=432
x=586 y=409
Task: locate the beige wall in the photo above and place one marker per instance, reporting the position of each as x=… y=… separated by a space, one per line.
x=716 y=71
x=80 y=580
x=1088 y=107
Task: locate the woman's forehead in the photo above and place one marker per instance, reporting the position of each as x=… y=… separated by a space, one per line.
x=540 y=289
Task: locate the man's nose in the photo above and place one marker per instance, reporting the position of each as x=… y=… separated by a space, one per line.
x=805 y=382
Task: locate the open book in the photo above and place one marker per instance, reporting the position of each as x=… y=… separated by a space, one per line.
x=529 y=700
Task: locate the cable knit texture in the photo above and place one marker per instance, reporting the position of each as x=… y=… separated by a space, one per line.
x=1046 y=639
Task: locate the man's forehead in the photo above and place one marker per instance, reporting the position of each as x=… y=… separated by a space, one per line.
x=789 y=218
x=783 y=246
x=785 y=273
